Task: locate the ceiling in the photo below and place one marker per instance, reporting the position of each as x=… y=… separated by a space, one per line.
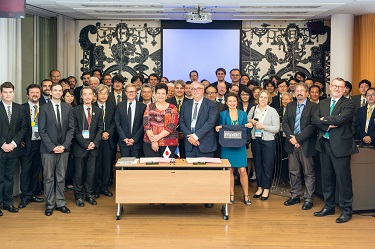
x=177 y=9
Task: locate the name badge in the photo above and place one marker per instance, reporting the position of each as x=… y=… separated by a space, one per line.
x=35 y=127
x=258 y=133
x=86 y=134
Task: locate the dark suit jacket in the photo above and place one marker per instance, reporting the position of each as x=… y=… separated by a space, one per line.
x=360 y=124
x=308 y=135
x=205 y=126
x=109 y=121
x=112 y=99
x=357 y=101
x=240 y=107
x=173 y=101
x=227 y=84
x=47 y=126
x=276 y=101
x=15 y=131
x=42 y=100
x=340 y=138
x=80 y=144
x=122 y=124
x=77 y=94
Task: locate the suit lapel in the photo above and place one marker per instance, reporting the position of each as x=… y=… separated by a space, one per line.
x=202 y=108
x=3 y=111
x=52 y=111
x=337 y=108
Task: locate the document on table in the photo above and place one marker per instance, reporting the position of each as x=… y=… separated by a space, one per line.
x=155 y=159
x=127 y=160
x=203 y=159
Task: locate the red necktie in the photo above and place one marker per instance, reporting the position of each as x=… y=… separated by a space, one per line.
x=88 y=116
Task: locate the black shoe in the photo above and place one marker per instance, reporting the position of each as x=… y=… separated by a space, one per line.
x=48 y=212
x=208 y=205
x=79 y=202
x=1 y=213
x=307 y=205
x=91 y=201
x=11 y=209
x=36 y=199
x=325 y=212
x=96 y=196
x=106 y=193
x=264 y=198
x=291 y=201
x=257 y=196
x=23 y=203
x=343 y=218
x=63 y=209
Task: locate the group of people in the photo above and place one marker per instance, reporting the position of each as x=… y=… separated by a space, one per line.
x=73 y=132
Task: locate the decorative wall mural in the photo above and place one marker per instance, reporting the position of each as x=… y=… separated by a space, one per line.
x=120 y=49
x=274 y=48
x=282 y=51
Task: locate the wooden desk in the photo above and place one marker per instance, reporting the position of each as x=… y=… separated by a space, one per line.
x=178 y=182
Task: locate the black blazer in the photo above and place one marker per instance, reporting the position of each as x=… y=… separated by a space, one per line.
x=357 y=101
x=122 y=124
x=80 y=144
x=340 y=138
x=173 y=101
x=240 y=107
x=47 y=127
x=308 y=135
x=360 y=124
x=109 y=121
x=77 y=94
x=227 y=84
x=276 y=101
x=205 y=126
x=112 y=98
x=15 y=131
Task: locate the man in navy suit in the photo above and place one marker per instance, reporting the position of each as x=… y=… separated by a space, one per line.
x=88 y=121
x=365 y=119
x=197 y=123
x=31 y=162
x=12 y=131
x=129 y=123
x=335 y=142
x=56 y=130
x=360 y=100
x=45 y=86
x=104 y=162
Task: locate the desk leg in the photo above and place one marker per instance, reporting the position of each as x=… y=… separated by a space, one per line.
x=119 y=209
x=225 y=211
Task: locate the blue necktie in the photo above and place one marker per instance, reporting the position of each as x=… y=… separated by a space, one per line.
x=326 y=135
x=297 y=127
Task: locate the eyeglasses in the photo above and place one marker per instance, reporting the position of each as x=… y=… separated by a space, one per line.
x=131 y=91
x=211 y=93
x=196 y=89
x=370 y=95
x=337 y=87
x=244 y=95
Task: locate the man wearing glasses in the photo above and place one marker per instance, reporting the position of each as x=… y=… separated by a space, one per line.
x=282 y=87
x=334 y=120
x=365 y=119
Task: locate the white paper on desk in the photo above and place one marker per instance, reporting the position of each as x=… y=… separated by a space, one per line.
x=194 y=159
x=127 y=160
x=203 y=159
x=155 y=159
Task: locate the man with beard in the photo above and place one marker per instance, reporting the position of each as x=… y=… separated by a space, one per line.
x=85 y=77
x=46 y=91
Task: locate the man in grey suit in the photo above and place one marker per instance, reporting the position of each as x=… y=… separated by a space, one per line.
x=197 y=123
x=12 y=131
x=88 y=121
x=56 y=130
x=300 y=145
x=335 y=142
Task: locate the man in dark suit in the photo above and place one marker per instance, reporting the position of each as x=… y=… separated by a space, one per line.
x=365 y=119
x=197 y=122
x=85 y=77
x=31 y=162
x=56 y=130
x=129 y=124
x=46 y=91
x=104 y=162
x=12 y=131
x=300 y=145
x=282 y=86
x=334 y=119
x=118 y=93
x=220 y=75
x=360 y=100
x=178 y=100
x=88 y=121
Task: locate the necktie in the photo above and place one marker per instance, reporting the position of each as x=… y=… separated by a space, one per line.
x=220 y=100
x=103 y=114
x=59 y=127
x=118 y=98
x=363 y=102
x=179 y=105
x=88 y=116
x=130 y=117
x=9 y=114
x=193 y=121
x=36 y=134
x=369 y=113
x=297 y=127
x=326 y=135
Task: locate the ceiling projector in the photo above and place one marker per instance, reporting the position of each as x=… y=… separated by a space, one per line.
x=199 y=17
